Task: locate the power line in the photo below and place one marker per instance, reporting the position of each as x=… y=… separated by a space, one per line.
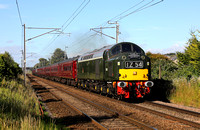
x=141 y=8
x=73 y=13
x=63 y=28
x=145 y=6
x=127 y=10
x=19 y=13
x=82 y=41
x=77 y=14
x=118 y=17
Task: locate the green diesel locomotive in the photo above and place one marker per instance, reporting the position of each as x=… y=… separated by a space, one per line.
x=121 y=70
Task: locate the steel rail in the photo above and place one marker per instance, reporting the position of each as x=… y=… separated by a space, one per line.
x=116 y=114
x=167 y=116
x=196 y=114
x=96 y=123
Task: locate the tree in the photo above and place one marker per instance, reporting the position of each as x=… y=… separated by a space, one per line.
x=193 y=50
x=57 y=56
x=191 y=56
x=8 y=67
x=156 y=56
x=43 y=62
x=163 y=64
x=36 y=65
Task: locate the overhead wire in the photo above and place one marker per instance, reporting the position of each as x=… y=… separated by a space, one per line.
x=116 y=18
x=19 y=12
x=141 y=8
x=127 y=10
x=88 y=39
x=76 y=15
x=73 y=13
x=135 y=10
x=120 y=17
x=21 y=22
x=63 y=28
x=113 y=19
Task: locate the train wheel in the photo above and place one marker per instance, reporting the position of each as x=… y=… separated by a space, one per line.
x=79 y=85
x=101 y=90
x=96 y=88
x=120 y=97
x=108 y=92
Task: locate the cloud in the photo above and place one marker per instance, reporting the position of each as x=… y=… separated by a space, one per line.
x=10 y=41
x=151 y=28
x=178 y=46
x=2 y=6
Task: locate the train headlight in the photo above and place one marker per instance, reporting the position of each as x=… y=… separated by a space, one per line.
x=149 y=84
x=118 y=63
x=121 y=84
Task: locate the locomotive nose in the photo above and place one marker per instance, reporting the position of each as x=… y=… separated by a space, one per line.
x=149 y=84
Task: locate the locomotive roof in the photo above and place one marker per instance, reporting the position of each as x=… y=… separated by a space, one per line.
x=97 y=53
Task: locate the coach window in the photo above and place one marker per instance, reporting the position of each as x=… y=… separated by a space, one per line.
x=65 y=68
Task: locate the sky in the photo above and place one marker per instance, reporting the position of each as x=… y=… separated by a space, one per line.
x=162 y=28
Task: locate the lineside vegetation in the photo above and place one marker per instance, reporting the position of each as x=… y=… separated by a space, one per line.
x=186 y=92
x=19 y=108
x=183 y=74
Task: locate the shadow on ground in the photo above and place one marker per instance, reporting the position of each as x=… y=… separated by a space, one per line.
x=161 y=90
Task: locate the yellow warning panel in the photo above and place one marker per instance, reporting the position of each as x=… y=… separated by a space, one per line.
x=133 y=74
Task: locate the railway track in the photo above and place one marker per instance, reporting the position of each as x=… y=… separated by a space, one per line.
x=161 y=114
x=104 y=118
x=184 y=111
x=82 y=116
x=168 y=116
x=118 y=118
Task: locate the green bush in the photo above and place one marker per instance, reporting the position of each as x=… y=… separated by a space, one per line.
x=8 y=67
x=186 y=71
x=168 y=69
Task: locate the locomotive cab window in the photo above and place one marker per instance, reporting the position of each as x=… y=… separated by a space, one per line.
x=137 y=49
x=126 y=48
x=115 y=50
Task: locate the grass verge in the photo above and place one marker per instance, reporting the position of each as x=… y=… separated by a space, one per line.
x=19 y=109
x=186 y=92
